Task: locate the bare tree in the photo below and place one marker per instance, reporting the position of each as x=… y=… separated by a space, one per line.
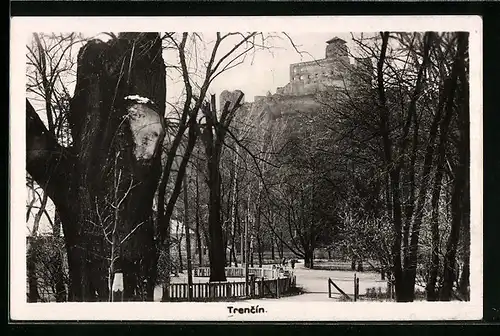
x=226 y=52
x=107 y=73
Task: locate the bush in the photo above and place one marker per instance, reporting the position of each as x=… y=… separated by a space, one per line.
x=48 y=255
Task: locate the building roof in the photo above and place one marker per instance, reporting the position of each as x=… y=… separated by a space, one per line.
x=335 y=39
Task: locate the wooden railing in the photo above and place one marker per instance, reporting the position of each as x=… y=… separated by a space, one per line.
x=330 y=284
x=231 y=290
x=211 y=290
x=239 y=272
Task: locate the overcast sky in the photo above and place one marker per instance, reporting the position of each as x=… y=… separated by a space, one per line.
x=270 y=69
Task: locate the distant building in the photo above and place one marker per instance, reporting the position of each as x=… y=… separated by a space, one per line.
x=335 y=71
x=310 y=77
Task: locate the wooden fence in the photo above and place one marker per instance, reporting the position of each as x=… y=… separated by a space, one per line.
x=213 y=291
x=331 y=283
x=239 y=272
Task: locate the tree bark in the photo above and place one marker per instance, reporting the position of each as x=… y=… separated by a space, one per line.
x=360 y=265
x=272 y=248
x=33 y=294
x=464 y=283
x=309 y=259
x=188 y=240
x=449 y=271
x=216 y=251
x=77 y=179
x=432 y=294
x=39 y=214
x=394 y=174
x=197 y=214
x=260 y=251
x=281 y=250
x=213 y=138
x=179 y=247
x=61 y=294
x=459 y=198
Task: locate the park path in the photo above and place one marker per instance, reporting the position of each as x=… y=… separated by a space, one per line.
x=314 y=284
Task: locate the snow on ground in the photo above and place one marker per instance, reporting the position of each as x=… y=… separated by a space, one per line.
x=314 y=284
x=182 y=278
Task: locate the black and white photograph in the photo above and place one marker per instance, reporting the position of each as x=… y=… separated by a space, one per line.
x=176 y=168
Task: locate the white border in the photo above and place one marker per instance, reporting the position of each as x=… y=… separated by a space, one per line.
x=276 y=311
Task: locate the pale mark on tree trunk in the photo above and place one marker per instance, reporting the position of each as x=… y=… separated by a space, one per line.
x=147 y=129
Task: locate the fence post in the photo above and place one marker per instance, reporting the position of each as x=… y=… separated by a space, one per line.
x=329 y=288
x=357 y=287
x=211 y=290
x=252 y=284
x=278 y=287
x=261 y=290
x=355 y=296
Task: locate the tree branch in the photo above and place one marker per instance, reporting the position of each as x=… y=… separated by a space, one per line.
x=46 y=161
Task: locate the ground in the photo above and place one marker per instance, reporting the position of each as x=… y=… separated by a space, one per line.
x=314 y=284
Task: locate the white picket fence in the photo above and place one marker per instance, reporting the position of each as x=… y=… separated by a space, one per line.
x=239 y=272
x=260 y=287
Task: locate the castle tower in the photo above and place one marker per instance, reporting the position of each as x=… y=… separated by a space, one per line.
x=336 y=48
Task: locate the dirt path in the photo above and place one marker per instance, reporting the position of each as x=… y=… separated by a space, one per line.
x=314 y=284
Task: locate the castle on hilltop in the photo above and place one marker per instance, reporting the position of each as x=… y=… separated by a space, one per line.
x=333 y=71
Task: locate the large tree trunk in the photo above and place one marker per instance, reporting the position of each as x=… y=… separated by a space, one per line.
x=460 y=194
x=213 y=148
x=260 y=252
x=309 y=258
x=33 y=294
x=464 y=150
x=179 y=248
x=449 y=271
x=197 y=215
x=394 y=202
x=432 y=294
x=281 y=250
x=415 y=209
x=187 y=231
x=464 y=283
x=79 y=180
x=272 y=247
x=61 y=293
x=165 y=247
x=216 y=250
